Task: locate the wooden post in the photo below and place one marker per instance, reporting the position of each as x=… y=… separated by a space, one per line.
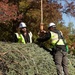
x=41 y=25
x=41 y=11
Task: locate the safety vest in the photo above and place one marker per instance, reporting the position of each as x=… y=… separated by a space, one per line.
x=20 y=38
x=54 y=38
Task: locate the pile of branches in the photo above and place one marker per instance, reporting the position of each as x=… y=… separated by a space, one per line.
x=29 y=59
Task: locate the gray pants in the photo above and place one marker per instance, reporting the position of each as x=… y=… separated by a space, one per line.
x=61 y=61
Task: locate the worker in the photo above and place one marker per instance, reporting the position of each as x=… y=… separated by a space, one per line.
x=58 y=48
x=22 y=35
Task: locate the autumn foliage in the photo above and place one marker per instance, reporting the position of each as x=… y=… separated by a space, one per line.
x=8 y=11
x=14 y=11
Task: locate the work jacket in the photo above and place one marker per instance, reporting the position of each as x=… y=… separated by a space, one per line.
x=53 y=37
x=21 y=38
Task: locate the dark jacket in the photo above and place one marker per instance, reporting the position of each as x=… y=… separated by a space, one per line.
x=14 y=39
x=47 y=36
x=27 y=39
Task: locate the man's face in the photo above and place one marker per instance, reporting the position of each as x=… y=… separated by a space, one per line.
x=24 y=29
x=50 y=28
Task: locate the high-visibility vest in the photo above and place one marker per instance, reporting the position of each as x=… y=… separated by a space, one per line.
x=20 y=38
x=54 y=38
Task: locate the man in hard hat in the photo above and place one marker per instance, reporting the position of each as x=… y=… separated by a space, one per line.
x=24 y=36
x=58 y=48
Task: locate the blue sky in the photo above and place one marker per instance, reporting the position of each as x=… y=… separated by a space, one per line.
x=67 y=18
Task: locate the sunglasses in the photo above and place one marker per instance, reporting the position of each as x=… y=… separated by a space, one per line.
x=23 y=27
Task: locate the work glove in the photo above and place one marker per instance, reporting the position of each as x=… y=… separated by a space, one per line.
x=30 y=35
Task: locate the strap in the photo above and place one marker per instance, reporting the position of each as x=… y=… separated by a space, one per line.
x=61 y=36
x=67 y=48
x=57 y=42
x=58 y=38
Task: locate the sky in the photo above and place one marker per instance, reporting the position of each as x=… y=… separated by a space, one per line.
x=67 y=18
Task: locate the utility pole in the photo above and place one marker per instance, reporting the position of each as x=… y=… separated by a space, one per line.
x=41 y=11
x=41 y=25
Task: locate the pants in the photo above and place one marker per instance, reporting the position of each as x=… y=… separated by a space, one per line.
x=61 y=61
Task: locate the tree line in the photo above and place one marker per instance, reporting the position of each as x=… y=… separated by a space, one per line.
x=12 y=12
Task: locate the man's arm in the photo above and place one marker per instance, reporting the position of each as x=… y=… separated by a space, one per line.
x=14 y=39
x=45 y=37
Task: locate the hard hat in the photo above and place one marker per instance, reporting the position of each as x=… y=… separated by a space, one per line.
x=51 y=25
x=22 y=24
